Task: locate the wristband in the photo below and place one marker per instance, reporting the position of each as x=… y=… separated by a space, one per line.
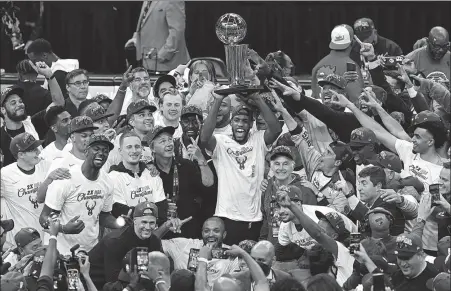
x=121 y=90
x=52 y=237
x=202 y=260
x=129 y=288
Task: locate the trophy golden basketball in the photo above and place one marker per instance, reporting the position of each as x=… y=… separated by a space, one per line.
x=231 y=30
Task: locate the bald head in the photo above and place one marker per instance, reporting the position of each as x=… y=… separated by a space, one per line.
x=438 y=36
x=160 y=261
x=225 y=284
x=263 y=252
x=215 y=220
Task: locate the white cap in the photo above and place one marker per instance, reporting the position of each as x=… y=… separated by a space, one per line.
x=341 y=37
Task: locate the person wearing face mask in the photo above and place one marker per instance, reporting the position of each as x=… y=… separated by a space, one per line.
x=414 y=271
x=366 y=31
x=435 y=56
x=107 y=255
x=263 y=253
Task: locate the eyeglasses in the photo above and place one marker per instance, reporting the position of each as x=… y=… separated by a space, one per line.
x=79 y=83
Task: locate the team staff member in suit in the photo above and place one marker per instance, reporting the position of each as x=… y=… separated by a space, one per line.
x=161 y=27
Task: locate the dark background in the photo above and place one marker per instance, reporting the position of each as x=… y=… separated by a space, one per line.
x=95 y=32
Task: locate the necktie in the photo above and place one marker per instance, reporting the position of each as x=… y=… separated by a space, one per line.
x=146 y=10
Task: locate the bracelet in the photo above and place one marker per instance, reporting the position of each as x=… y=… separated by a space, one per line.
x=52 y=237
x=203 y=260
x=120 y=90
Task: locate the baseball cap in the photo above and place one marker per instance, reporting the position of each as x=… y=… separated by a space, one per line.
x=380 y=210
x=25 y=236
x=363 y=28
x=161 y=80
x=408 y=245
x=11 y=281
x=24 y=142
x=336 y=221
x=341 y=37
x=362 y=136
x=81 y=123
x=97 y=113
x=425 y=116
x=441 y=282
x=139 y=105
x=342 y=151
x=333 y=79
x=145 y=209
x=7 y=225
x=100 y=138
x=101 y=98
x=157 y=130
x=192 y=109
x=281 y=151
x=15 y=89
x=242 y=109
x=388 y=160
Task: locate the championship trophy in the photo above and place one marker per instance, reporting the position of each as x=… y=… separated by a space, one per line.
x=231 y=29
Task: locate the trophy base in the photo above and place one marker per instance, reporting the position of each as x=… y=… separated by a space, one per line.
x=240 y=89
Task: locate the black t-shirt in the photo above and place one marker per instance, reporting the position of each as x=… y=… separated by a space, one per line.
x=5 y=140
x=35 y=97
x=107 y=255
x=401 y=283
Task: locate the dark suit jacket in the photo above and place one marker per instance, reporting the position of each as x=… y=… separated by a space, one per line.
x=163 y=28
x=246 y=280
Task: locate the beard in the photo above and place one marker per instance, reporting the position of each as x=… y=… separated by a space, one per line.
x=436 y=55
x=15 y=117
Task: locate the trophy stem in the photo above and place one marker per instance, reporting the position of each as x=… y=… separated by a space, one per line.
x=236 y=60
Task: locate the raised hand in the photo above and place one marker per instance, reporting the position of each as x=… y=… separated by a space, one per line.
x=283 y=199
x=42 y=69
x=390 y=196
x=127 y=78
x=275 y=102
x=175 y=224
x=205 y=252
x=194 y=152
x=235 y=251
x=83 y=261
x=339 y=99
x=286 y=90
x=404 y=76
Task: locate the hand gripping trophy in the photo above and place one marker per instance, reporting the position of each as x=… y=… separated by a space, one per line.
x=231 y=29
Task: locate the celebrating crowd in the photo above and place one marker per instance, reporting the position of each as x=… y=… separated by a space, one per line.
x=173 y=186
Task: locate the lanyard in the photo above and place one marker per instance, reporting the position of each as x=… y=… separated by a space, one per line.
x=175 y=183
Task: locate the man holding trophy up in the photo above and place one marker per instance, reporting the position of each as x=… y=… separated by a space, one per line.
x=240 y=158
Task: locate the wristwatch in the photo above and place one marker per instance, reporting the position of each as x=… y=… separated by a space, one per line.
x=420 y=219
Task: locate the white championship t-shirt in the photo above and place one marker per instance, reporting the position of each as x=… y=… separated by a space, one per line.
x=130 y=190
x=66 y=161
x=240 y=170
x=50 y=152
x=80 y=196
x=289 y=234
x=19 y=197
x=428 y=173
x=179 y=248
